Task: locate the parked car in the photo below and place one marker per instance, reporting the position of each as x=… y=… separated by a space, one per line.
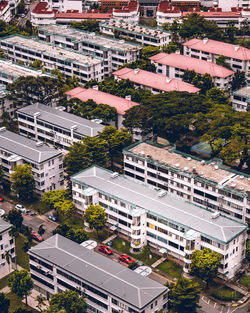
x=20 y=208
x=110 y=243
x=52 y=218
x=1 y=199
x=36 y=236
x=105 y=249
x=126 y=259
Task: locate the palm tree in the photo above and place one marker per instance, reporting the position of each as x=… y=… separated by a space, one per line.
x=7 y=257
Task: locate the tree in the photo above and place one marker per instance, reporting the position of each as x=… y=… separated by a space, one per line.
x=170 y=48
x=40 y=302
x=217 y=95
x=248 y=250
x=116 y=141
x=37 y=64
x=1 y=174
x=78 y=235
x=31 y=90
x=20 y=7
x=22 y=182
x=7 y=256
x=145 y=252
x=149 y=51
x=66 y=208
x=221 y=60
x=185 y=296
x=41 y=230
x=205 y=264
x=15 y=218
x=27 y=232
x=4 y=303
x=69 y=301
x=21 y=310
x=26 y=246
x=204 y=82
x=2 y=54
x=96 y=217
x=238 y=81
x=20 y=284
x=89 y=25
x=52 y=197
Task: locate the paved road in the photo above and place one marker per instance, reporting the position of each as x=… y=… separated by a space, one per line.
x=22 y=21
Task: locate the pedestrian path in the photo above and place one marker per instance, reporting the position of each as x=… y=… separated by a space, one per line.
x=109 y=239
x=158 y=262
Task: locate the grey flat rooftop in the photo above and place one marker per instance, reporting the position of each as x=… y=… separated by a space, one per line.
x=99 y=270
x=245 y=91
x=4 y=225
x=168 y=207
x=48 y=49
x=79 y=35
x=63 y=119
x=26 y=148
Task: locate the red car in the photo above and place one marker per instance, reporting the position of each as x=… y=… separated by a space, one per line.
x=105 y=249
x=36 y=236
x=126 y=259
x=1 y=199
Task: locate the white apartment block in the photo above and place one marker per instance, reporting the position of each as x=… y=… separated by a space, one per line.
x=9 y=73
x=206 y=49
x=59 y=264
x=27 y=50
x=7 y=243
x=241 y=99
x=173 y=66
x=128 y=13
x=46 y=162
x=205 y=183
x=54 y=126
x=114 y=53
x=145 y=35
x=65 y=5
x=226 y=5
x=151 y=216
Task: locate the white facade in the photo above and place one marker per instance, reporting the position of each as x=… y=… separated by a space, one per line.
x=226 y=5
x=107 y=285
x=65 y=5
x=149 y=216
x=142 y=34
x=241 y=99
x=204 y=183
x=85 y=68
x=129 y=14
x=114 y=53
x=55 y=127
x=46 y=162
x=7 y=243
x=206 y=49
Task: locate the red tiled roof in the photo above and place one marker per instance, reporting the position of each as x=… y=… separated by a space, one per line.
x=121 y=104
x=3 y=5
x=187 y=63
x=83 y=16
x=132 y=6
x=42 y=8
x=219 y=48
x=155 y=81
x=214 y=14
x=166 y=7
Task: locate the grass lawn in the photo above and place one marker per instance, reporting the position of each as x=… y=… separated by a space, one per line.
x=102 y=235
x=4 y=282
x=171 y=268
x=125 y=248
x=245 y=281
x=39 y=207
x=16 y=302
x=225 y=293
x=74 y=221
x=22 y=257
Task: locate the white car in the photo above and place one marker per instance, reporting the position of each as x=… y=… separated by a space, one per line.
x=20 y=208
x=2 y=212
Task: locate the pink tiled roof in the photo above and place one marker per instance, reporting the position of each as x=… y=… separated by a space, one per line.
x=3 y=5
x=132 y=6
x=166 y=7
x=121 y=104
x=187 y=63
x=83 y=16
x=155 y=81
x=219 y=48
x=42 y=8
x=217 y=14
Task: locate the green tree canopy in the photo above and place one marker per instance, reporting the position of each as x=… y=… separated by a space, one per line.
x=89 y=25
x=21 y=310
x=96 y=217
x=66 y=208
x=15 y=218
x=50 y=198
x=76 y=234
x=149 y=51
x=69 y=301
x=20 y=283
x=4 y=303
x=205 y=264
x=238 y=81
x=221 y=60
x=185 y=296
x=22 y=182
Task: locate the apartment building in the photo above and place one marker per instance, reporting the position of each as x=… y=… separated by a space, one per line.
x=46 y=162
x=54 y=126
x=9 y=73
x=128 y=13
x=206 y=183
x=152 y=216
x=113 y=53
x=58 y=264
x=143 y=34
x=25 y=49
x=207 y=49
x=241 y=99
x=7 y=243
x=155 y=83
x=173 y=66
x=120 y=104
x=227 y=5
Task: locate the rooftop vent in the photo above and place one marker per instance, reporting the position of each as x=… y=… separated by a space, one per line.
x=162 y=193
x=39 y=143
x=60 y=108
x=114 y=175
x=37 y=114
x=203 y=162
x=128 y=97
x=236 y=47
x=177 y=164
x=97 y=120
x=215 y=215
x=205 y=40
x=2 y=129
x=74 y=127
x=95 y=87
x=241 y=188
x=233 y=185
x=185 y=168
x=201 y=173
x=189 y=159
x=142 y=153
x=216 y=167
x=136 y=71
x=168 y=80
x=241 y=176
